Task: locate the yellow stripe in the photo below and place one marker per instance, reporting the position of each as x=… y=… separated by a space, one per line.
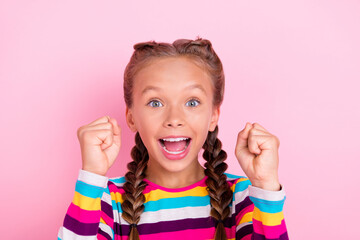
x=102 y=220
x=228 y=239
x=269 y=219
x=246 y=218
x=86 y=203
x=117 y=197
x=160 y=194
x=157 y=194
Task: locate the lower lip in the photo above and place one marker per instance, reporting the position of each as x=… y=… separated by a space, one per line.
x=175 y=156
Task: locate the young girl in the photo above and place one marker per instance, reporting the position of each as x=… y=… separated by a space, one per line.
x=173 y=94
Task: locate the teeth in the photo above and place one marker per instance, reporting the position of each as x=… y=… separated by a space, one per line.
x=174 y=139
x=174 y=152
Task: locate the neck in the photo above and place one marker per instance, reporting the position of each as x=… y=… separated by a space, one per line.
x=193 y=173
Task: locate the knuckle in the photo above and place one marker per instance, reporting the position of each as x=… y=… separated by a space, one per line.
x=251 y=137
x=85 y=134
x=79 y=131
x=275 y=139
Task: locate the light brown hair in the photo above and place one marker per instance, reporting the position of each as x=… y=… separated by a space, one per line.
x=201 y=52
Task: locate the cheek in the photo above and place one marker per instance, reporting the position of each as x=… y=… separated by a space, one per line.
x=201 y=119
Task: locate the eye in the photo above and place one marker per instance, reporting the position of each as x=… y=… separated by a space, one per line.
x=193 y=102
x=154 y=103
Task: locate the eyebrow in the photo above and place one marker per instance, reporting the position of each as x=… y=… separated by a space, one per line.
x=198 y=86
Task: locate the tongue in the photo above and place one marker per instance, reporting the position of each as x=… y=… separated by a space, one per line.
x=175 y=146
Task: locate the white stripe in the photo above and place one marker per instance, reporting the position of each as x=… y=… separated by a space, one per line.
x=238 y=227
x=266 y=194
x=66 y=234
x=117 y=184
x=172 y=214
x=92 y=178
x=60 y=233
x=107 y=229
x=116 y=215
x=106 y=198
x=239 y=197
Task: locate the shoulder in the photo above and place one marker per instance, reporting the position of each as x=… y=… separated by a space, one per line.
x=237 y=183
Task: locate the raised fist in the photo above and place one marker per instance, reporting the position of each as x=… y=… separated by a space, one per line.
x=100 y=143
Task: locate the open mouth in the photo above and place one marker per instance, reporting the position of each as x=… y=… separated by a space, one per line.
x=175 y=145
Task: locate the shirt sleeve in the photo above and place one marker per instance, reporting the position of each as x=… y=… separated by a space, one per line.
x=259 y=213
x=90 y=214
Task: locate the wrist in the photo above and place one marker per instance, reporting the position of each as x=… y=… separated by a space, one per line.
x=270 y=186
x=94 y=171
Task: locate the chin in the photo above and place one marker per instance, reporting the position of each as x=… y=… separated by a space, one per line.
x=175 y=167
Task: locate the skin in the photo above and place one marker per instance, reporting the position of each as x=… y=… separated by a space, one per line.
x=257 y=152
x=174 y=111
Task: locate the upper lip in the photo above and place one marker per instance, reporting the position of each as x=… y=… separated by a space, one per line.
x=173 y=136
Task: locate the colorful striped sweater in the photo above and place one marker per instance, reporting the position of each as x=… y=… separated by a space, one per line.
x=182 y=213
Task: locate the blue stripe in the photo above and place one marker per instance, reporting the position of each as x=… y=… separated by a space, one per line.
x=118 y=180
x=268 y=206
x=241 y=186
x=180 y=202
x=88 y=190
x=117 y=205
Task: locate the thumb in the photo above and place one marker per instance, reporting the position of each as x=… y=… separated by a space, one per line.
x=116 y=131
x=242 y=139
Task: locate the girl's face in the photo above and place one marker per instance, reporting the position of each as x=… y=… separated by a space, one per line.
x=172 y=98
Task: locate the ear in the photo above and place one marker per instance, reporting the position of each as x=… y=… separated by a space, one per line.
x=214 y=118
x=130 y=120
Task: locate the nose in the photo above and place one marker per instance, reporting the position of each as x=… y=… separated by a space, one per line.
x=174 y=118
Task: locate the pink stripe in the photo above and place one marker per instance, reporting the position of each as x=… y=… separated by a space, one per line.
x=230 y=232
x=247 y=237
x=240 y=215
x=152 y=186
x=148 y=189
x=231 y=183
x=100 y=237
x=114 y=188
x=107 y=219
x=269 y=231
x=200 y=183
x=207 y=233
x=85 y=216
x=118 y=237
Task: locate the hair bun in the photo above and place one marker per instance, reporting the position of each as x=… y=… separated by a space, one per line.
x=143 y=45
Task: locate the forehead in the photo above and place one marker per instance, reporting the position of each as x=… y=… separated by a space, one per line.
x=172 y=73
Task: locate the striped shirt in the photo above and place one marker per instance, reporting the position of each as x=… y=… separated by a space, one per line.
x=182 y=213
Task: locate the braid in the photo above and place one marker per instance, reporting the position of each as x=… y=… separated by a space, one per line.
x=217 y=186
x=133 y=204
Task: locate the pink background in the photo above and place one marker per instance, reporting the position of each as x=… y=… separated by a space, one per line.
x=291 y=66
